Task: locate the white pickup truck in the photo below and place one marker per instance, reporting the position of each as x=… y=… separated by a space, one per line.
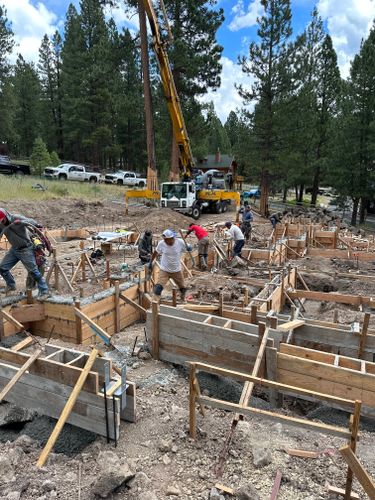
x=71 y=172
x=125 y=178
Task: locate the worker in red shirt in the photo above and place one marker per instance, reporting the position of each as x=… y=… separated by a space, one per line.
x=203 y=243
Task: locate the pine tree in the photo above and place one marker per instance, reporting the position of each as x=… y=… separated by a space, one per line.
x=353 y=157
x=268 y=62
x=232 y=128
x=6 y=43
x=27 y=105
x=40 y=157
x=50 y=75
x=194 y=56
x=7 y=130
x=217 y=139
x=54 y=159
x=74 y=113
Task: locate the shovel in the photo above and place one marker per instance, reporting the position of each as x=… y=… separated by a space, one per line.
x=187 y=249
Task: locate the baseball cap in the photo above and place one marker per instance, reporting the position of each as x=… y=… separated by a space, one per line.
x=169 y=233
x=228 y=224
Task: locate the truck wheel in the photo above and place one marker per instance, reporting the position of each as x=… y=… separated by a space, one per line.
x=120 y=182
x=141 y=184
x=225 y=206
x=219 y=207
x=63 y=177
x=93 y=180
x=196 y=212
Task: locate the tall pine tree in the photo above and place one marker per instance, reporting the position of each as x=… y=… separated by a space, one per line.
x=267 y=63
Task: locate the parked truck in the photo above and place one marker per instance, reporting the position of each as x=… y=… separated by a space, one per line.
x=71 y=172
x=125 y=178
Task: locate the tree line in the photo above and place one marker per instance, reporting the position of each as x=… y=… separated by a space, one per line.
x=301 y=124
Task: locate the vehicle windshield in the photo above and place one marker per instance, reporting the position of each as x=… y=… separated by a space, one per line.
x=173 y=191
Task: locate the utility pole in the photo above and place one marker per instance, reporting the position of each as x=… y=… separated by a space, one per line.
x=152 y=175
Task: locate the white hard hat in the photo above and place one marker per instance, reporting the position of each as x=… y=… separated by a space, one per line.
x=168 y=233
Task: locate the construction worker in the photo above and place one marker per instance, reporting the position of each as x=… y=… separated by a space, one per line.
x=145 y=247
x=275 y=219
x=247 y=218
x=235 y=233
x=15 y=228
x=41 y=244
x=203 y=243
x=170 y=248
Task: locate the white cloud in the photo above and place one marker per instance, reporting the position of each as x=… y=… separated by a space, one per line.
x=226 y=98
x=348 y=22
x=123 y=17
x=29 y=24
x=243 y=18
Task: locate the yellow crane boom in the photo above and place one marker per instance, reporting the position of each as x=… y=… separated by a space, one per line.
x=186 y=160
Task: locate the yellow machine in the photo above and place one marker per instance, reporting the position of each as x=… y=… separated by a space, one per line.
x=182 y=196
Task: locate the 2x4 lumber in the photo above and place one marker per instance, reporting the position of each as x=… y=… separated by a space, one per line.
x=332 y=297
x=299 y=422
x=358 y=470
x=19 y=374
x=291 y=325
x=96 y=328
x=21 y=345
x=68 y=408
x=52 y=370
x=276 y=486
x=327 y=373
x=341 y=492
x=302 y=453
x=12 y=320
x=131 y=302
x=347 y=403
x=362 y=339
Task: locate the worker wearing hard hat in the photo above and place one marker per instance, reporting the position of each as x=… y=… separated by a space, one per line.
x=170 y=249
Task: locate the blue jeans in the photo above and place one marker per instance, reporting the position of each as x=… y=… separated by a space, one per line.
x=238 y=247
x=27 y=257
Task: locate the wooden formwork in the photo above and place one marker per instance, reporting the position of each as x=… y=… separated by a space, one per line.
x=48 y=383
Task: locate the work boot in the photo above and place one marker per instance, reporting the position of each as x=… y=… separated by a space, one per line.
x=10 y=288
x=203 y=263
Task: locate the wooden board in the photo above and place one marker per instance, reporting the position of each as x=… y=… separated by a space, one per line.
x=51 y=369
x=291 y=325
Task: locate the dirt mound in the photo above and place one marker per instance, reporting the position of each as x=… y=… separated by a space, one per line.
x=319 y=282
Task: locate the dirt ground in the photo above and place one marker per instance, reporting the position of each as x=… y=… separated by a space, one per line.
x=165 y=461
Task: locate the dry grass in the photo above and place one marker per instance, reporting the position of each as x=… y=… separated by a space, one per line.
x=21 y=188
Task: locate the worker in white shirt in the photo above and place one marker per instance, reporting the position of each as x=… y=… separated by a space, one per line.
x=237 y=236
x=170 y=248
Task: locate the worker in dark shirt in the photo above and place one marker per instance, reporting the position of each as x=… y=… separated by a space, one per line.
x=145 y=247
x=16 y=229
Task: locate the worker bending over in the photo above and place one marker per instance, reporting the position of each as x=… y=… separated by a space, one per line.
x=15 y=228
x=247 y=219
x=170 y=248
x=235 y=233
x=145 y=247
x=275 y=219
x=203 y=243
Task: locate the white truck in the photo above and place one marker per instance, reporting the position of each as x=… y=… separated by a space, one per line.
x=125 y=178
x=71 y=172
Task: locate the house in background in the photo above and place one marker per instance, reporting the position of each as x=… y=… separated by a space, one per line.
x=224 y=163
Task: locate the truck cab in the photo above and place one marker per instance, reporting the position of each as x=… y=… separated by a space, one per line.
x=182 y=197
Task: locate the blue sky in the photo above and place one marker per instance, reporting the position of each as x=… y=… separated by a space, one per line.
x=347 y=21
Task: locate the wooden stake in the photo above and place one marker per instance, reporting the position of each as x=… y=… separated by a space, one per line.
x=355 y=418
x=67 y=409
x=117 y=306
x=155 y=329
x=192 y=395
x=77 y=305
x=83 y=260
x=362 y=339
x=360 y=473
